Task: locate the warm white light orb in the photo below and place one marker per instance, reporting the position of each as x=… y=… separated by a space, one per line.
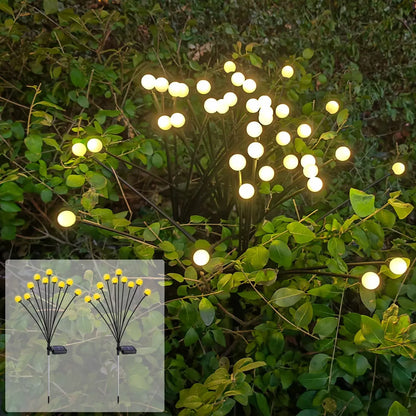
x=266 y=116
x=290 y=162
x=174 y=89
x=254 y=129
x=177 y=120
x=287 y=71
x=398 y=265
x=266 y=173
x=94 y=145
x=315 y=184
x=304 y=130
x=237 y=162
x=370 y=280
x=343 y=153
x=310 y=171
x=203 y=86
x=229 y=66
x=332 y=107
x=79 y=149
x=230 y=98
x=161 y=84
x=249 y=86
x=237 y=79
x=201 y=257
x=283 y=138
x=398 y=168
x=307 y=160
x=265 y=101
x=252 y=105
x=282 y=110
x=255 y=150
x=210 y=105
x=183 y=90
x=148 y=81
x=66 y=219
x=246 y=191
x=222 y=106
x=164 y=122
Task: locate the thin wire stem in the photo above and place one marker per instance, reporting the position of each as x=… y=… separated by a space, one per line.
x=59 y=320
x=39 y=316
x=37 y=323
x=128 y=306
x=42 y=310
x=104 y=319
x=109 y=311
x=57 y=307
x=112 y=309
x=134 y=310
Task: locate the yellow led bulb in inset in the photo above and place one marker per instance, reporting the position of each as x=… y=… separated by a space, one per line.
x=54 y=279
x=45 y=280
x=78 y=292
x=130 y=284
x=30 y=285
x=18 y=299
x=36 y=276
x=49 y=272
x=139 y=282
x=119 y=272
x=69 y=282
x=106 y=276
x=147 y=292
x=61 y=284
x=114 y=280
x=87 y=299
x=100 y=285
x=26 y=296
x=97 y=296
x=124 y=279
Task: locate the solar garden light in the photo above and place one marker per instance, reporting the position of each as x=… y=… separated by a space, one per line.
x=113 y=304
x=44 y=306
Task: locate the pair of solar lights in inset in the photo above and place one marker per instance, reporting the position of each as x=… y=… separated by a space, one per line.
x=45 y=308
x=94 y=145
x=398 y=266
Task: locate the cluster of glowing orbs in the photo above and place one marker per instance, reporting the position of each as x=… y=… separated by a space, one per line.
x=252 y=105
x=264 y=101
x=255 y=150
x=164 y=122
x=266 y=173
x=283 y=138
x=343 y=153
x=237 y=162
x=222 y=106
x=398 y=168
x=178 y=89
x=201 y=257
x=94 y=145
x=161 y=84
x=332 y=107
x=370 y=280
x=66 y=219
x=307 y=160
x=203 y=86
x=282 y=111
x=287 y=71
x=310 y=171
x=229 y=66
x=148 y=81
x=315 y=184
x=230 y=98
x=210 y=105
x=177 y=120
x=246 y=191
x=237 y=79
x=249 y=86
x=79 y=149
x=398 y=265
x=290 y=162
x=254 y=129
x=304 y=130
x=266 y=116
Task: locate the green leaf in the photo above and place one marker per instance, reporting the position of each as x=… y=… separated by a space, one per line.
x=34 y=143
x=262 y=404
x=197 y=219
x=46 y=195
x=342 y=117
x=255 y=60
x=328 y=135
x=115 y=129
x=82 y=100
x=372 y=330
x=362 y=203
x=313 y=381
x=336 y=247
x=10 y=191
x=207 y=311
x=325 y=326
x=300 y=232
x=8 y=232
x=6 y=8
x=280 y=253
x=304 y=315
x=75 y=181
x=167 y=246
x=276 y=343
x=191 y=337
x=307 y=53
x=50 y=6
x=78 y=79
x=402 y=209
x=286 y=297
x=249 y=367
x=257 y=256
x=152 y=232
x=9 y=206
x=396 y=409
x=97 y=180
x=318 y=363
x=157 y=160
x=368 y=297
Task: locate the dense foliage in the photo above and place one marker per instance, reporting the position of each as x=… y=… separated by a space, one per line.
x=277 y=322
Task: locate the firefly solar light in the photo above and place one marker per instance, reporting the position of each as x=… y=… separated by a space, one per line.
x=44 y=304
x=113 y=304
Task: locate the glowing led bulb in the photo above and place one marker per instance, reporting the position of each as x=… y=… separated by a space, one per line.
x=237 y=79
x=87 y=299
x=332 y=107
x=254 y=129
x=342 y=153
x=290 y=162
x=114 y=280
x=307 y=160
x=255 y=150
x=97 y=296
x=100 y=285
x=210 y=105
x=45 y=280
x=177 y=120
x=246 y=191
x=310 y=171
x=49 y=272
x=66 y=219
x=304 y=130
x=398 y=168
x=148 y=81
x=78 y=292
x=69 y=282
x=203 y=86
x=30 y=285
x=17 y=299
x=61 y=285
x=282 y=110
x=252 y=105
x=229 y=66
x=183 y=90
x=249 y=86
x=201 y=257
x=54 y=279
x=130 y=284
x=164 y=122
x=119 y=272
x=287 y=71
x=398 y=265
x=94 y=145
x=139 y=282
x=36 y=276
x=222 y=106
x=370 y=280
x=124 y=279
x=237 y=162
x=266 y=173
x=174 y=89
x=161 y=84
x=106 y=276
x=79 y=149
x=26 y=296
x=283 y=138
x=266 y=116
x=315 y=184
x=230 y=98
x=147 y=292
x=265 y=101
